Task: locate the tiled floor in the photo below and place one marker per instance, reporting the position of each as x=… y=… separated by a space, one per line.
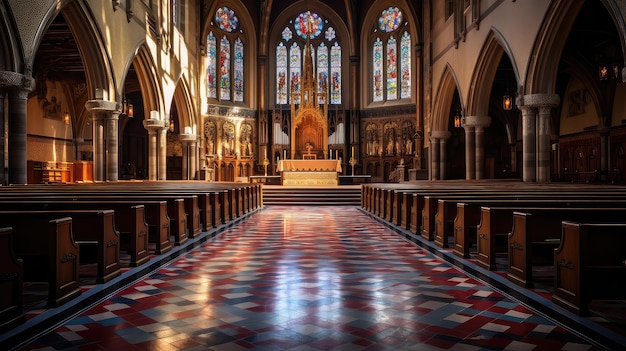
x=309 y=278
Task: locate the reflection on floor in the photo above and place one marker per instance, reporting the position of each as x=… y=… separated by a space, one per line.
x=309 y=278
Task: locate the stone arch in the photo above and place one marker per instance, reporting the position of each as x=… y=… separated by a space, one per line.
x=94 y=55
x=443 y=100
x=186 y=112
x=11 y=54
x=485 y=71
x=148 y=82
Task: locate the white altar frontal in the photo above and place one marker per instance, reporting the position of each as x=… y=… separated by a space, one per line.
x=309 y=172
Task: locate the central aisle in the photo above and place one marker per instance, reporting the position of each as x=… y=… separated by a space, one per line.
x=309 y=278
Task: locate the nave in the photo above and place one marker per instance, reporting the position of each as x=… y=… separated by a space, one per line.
x=309 y=278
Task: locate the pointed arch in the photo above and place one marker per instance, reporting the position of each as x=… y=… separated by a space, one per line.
x=550 y=41
x=485 y=71
x=148 y=82
x=11 y=53
x=443 y=99
x=94 y=55
x=184 y=106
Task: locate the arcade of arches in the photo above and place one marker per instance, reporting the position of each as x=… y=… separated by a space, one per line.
x=208 y=89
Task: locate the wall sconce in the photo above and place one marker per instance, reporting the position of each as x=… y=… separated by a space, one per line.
x=603 y=72
x=66 y=118
x=457 y=119
x=171 y=126
x=507 y=101
x=128 y=108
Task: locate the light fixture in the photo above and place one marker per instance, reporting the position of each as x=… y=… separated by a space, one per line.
x=127 y=108
x=66 y=118
x=171 y=126
x=507 y=101
x=457 y=119
x=603 y=72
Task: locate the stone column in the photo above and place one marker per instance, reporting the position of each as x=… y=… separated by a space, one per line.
x=537 y=156
x=104 y=116
x=162 y=142
x=3 y=176
x=189 y=159
x=513 y=158
x=439 y=148
x=193 y=160
x=528 y=143
x=18 y=86
x=434 y=158
x=156 y=131
x=477 y=160
x=112 y=144
x=470 y=153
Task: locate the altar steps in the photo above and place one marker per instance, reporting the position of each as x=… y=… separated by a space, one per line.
x=349 y=195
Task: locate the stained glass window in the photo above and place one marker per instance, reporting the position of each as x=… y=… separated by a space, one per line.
x=226 y=19
x=405 y=66
x=390 y=19
x=238 y=87
x=392 y=69
x=377 y=60
x=224 y=69
x=226 y=58
x=325 y=52
x=308 y=24
x=335 y=71
x=211 y=70
x=322 y=71
x=295 y=66
x=391 y=66
x=281 y=74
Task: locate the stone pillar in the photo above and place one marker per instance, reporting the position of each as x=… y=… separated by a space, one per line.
x=513 y=158
x=439 y=148
x=189 y=157
x=112 y=144
x=3 y=175
x=162 y=142
x=18 y=86
x=477 y=160
x=157 y=129
x=105 y=116
x=434 y=158
x=152 y=154
x=529 y=170
x=604 y=153
x=470 y=153
x=536 y=135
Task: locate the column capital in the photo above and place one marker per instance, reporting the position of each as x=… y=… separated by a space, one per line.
x=538 y=100
x=476 y=121
x=187 y=137
x=96 y=106
x=440 y=134
x=14 y=80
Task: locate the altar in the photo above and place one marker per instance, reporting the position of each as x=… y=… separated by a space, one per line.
x=309 y=172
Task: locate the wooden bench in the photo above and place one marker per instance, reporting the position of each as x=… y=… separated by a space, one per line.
x=89 y=227
x=11 y=279
x=49 y=254
x=589 y=265
x=537 y=232
x=130 y=221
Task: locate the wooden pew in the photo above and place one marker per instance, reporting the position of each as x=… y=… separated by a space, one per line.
x=49 y=254
x=130 y=221
x=89 y=227
x=536 y=233
x=11 y=279
x=589 y=264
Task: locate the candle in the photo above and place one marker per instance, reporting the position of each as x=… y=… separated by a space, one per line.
x=285 y=154
x=353 y=152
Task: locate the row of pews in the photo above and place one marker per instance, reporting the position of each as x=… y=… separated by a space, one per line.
x=578 y=232
x=48 y=231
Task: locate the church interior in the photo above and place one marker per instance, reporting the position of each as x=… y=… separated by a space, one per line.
x=179 y=127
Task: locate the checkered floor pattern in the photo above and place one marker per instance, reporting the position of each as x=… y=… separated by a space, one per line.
x=308 y=278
